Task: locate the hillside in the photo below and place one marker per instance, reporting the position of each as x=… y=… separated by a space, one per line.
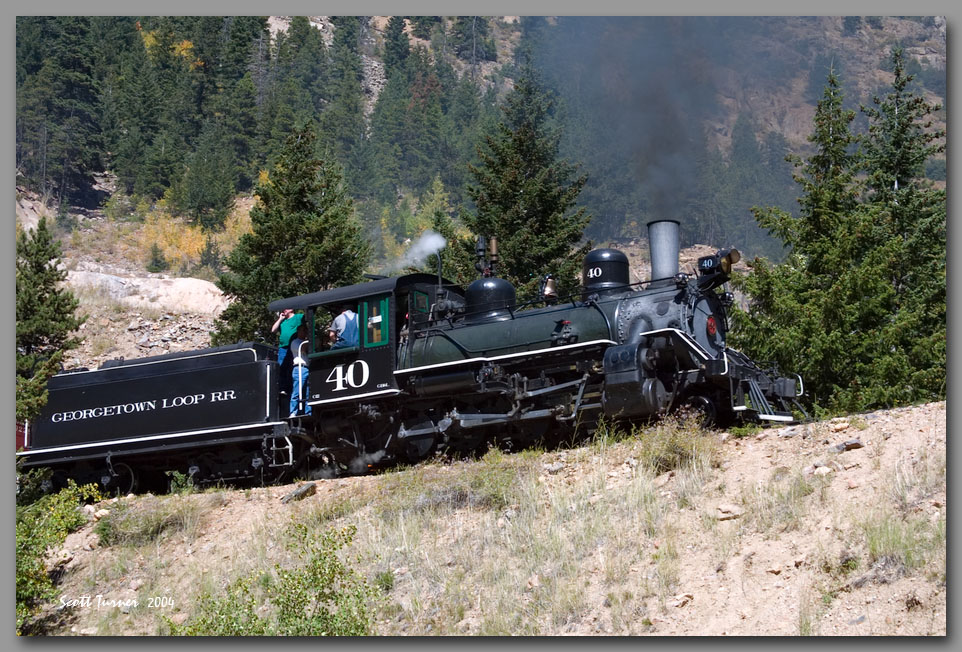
x=831 y=528
x=685 y=117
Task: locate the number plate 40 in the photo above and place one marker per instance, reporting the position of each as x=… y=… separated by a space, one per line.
x=354 y=375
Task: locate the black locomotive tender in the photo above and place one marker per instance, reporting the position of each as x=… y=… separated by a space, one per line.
x=436 y=368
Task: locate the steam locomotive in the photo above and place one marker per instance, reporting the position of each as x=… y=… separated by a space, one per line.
x=436 y=367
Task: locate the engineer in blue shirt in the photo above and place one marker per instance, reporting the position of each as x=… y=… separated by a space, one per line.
x=343 y=331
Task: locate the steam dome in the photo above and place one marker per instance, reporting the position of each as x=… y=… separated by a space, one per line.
x=488 y=299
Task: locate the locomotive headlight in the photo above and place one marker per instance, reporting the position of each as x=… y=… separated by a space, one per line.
x=728 y=259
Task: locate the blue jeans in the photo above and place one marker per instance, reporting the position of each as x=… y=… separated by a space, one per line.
x=299 y=376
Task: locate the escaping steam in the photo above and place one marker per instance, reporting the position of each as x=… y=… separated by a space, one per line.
x=360 y=463
x=427 y=244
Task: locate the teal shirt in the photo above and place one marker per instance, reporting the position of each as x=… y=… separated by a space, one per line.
x=289 y=327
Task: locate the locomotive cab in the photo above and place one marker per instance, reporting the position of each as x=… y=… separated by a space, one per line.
x=388 y=310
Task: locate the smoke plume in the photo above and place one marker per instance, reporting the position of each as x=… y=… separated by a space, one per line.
x=427 y=244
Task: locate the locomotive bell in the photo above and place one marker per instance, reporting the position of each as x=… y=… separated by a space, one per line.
x=604 y=270
x=488 y=299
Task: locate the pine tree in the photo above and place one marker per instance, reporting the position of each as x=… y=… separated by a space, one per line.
x=466 y=117
x=305 y=238
x=858 y=307
x=45 y=317
x=383 y=157
x=206 y=192
x=139 y=100
x=58 y=130
x=241 y=125
x=904 y=223
x=421 y=26
x=397 y=46
x=421 y=137
x=306 y=60
x=525 y=195
x=155 y=260
x=342 y=123
x=470 y=40
x=787 y=321
x=900 y=140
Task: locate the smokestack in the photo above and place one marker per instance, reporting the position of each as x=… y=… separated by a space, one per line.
x=663 y=245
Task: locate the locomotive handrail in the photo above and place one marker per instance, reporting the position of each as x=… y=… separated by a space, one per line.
x=593 y=302
x=504 y=356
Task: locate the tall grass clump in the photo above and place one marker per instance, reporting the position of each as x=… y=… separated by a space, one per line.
x=494 y=482
x=321 y=596
x=900 y=542
x=676 y=442
x=913 y=481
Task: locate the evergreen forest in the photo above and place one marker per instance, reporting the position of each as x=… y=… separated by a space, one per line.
x=191 y=110
x=552 y=134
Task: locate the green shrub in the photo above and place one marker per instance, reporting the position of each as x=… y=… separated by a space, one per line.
x=157 y=262
x=42 y=526
x=32 y=484
x=322 y=597
x=119 y=207
x=180 y=483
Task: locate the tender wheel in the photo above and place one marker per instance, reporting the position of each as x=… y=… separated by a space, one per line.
x=124 y=480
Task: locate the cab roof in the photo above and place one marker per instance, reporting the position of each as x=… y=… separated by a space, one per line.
x=352 y=293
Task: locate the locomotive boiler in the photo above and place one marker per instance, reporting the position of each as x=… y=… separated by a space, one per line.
x=440 y=367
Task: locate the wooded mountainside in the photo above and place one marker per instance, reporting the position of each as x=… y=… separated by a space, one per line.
x=688 y=118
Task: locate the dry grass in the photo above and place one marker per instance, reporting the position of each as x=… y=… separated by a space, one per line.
x=496 y=547
x=917 y=477
x=152 y=518
x=908 y=543
x=779 y=505
x=96 y=300
x=126 y=236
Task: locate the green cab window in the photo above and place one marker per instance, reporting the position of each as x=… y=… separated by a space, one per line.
x=375 y=322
